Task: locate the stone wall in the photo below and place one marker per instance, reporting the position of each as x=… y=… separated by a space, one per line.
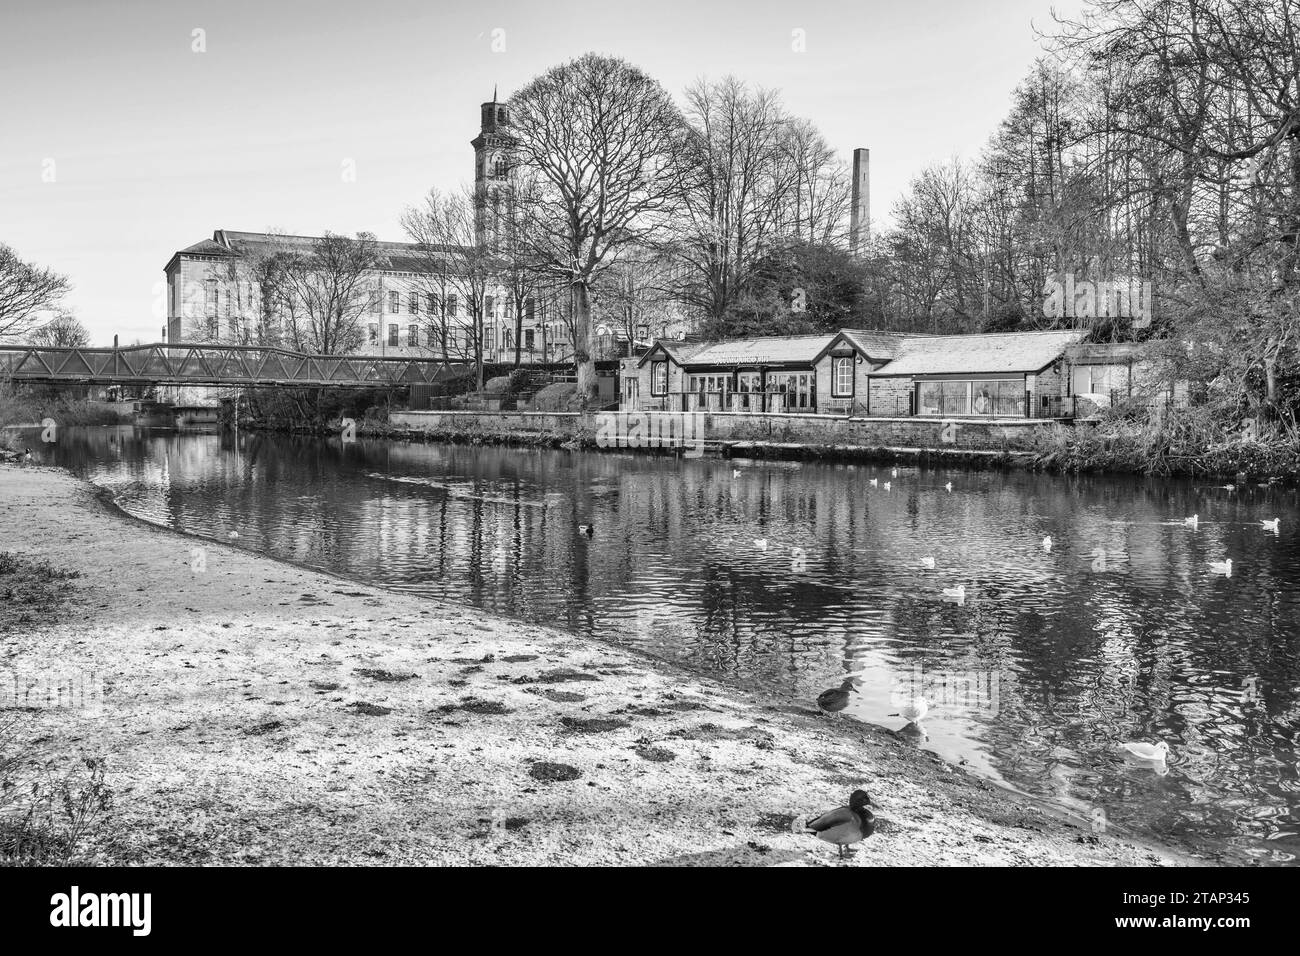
x=814 y=430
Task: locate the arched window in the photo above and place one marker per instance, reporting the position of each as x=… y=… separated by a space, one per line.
x=499 y=166
x=501 y=114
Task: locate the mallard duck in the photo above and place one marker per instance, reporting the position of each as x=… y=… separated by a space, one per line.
x=845 y=826
x=837 y=698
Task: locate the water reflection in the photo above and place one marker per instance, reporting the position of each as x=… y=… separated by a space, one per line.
x=1119 y=632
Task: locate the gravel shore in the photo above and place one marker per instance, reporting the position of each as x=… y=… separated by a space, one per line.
x=254 y=712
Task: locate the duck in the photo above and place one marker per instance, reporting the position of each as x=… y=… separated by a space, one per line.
x=1222 y=567
x=1272 y=525
x=948 y=487
x=586 y=529
x=958 y=593
x=874 y=482
x=914 y=710
x=837 y=698
x=886 y=486
x=1229 y=487
x=1193 y=521
x=760 y=544
x=1047 y=544
x=735 y=473
x=928 y=562
x=233 y=535
x=1153 y=753
x=845 y=826
x=893 y=473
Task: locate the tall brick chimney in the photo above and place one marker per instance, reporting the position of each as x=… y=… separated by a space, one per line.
x=860 y=217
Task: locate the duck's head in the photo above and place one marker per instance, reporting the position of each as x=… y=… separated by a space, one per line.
x=850 y=683
x=1162 y=748
x=859 y=799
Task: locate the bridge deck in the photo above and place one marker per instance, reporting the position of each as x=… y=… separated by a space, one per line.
x=214 y=365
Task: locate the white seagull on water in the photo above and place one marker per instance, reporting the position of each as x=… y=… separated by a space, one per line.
x=927 y=562
x=1222 y=567
x=1273 y=525
x=1193 y=521
x=1149 y=753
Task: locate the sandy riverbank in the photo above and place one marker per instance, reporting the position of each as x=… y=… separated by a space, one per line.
x=255 y=712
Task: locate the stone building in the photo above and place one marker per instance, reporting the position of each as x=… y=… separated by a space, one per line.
x=860 y=373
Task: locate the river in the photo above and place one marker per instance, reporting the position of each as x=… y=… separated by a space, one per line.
x=787 y=576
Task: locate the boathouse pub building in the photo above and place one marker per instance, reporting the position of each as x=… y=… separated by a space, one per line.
x=859 y=373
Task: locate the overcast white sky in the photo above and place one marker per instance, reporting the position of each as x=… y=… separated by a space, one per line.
x=153 y=146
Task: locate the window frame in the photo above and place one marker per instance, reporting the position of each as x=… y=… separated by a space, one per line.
x=838 y=362
x=658 y=367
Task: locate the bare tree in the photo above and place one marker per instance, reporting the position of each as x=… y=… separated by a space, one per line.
x=26 y=291
x=330 y=282
x=457 y=266
x=64 y=331
x=606 y=157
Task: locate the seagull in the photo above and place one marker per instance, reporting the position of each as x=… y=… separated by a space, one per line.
x=233 y=534
x=887 y=486
x=1271 y=525
x=1229 y=487
x=760 y=544
x=735 y=473
x=1192 y=522
x=893 y=473
x=845 y=826
x=1152 y=753
x=1222 y=567
x=914 y=710
x=837 y=698
x=1047 y=544
x=958 y=593
x=927 y=562
x=948 y=486
x=586 y=529
x=874 y=482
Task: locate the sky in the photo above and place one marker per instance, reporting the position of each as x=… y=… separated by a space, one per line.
x=131 y=129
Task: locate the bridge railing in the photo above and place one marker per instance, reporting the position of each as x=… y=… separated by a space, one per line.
x=215 y=365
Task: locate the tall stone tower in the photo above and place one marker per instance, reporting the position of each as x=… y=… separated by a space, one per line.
x=493 y=157
x=860 y=215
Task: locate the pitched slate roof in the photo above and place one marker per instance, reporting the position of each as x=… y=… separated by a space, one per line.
x=874 y=344
x=997 y=352
x=790 y=349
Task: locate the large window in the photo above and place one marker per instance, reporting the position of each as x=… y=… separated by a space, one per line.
x=1098 y=379
x=842 y=376
x=413 y=303
x=394 y=302
x=451 y=305
x=392 y=334
x=658 y=378
x=992 y=398
x=413 y=336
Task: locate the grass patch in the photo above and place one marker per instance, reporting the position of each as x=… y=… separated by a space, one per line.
x=30 y=591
